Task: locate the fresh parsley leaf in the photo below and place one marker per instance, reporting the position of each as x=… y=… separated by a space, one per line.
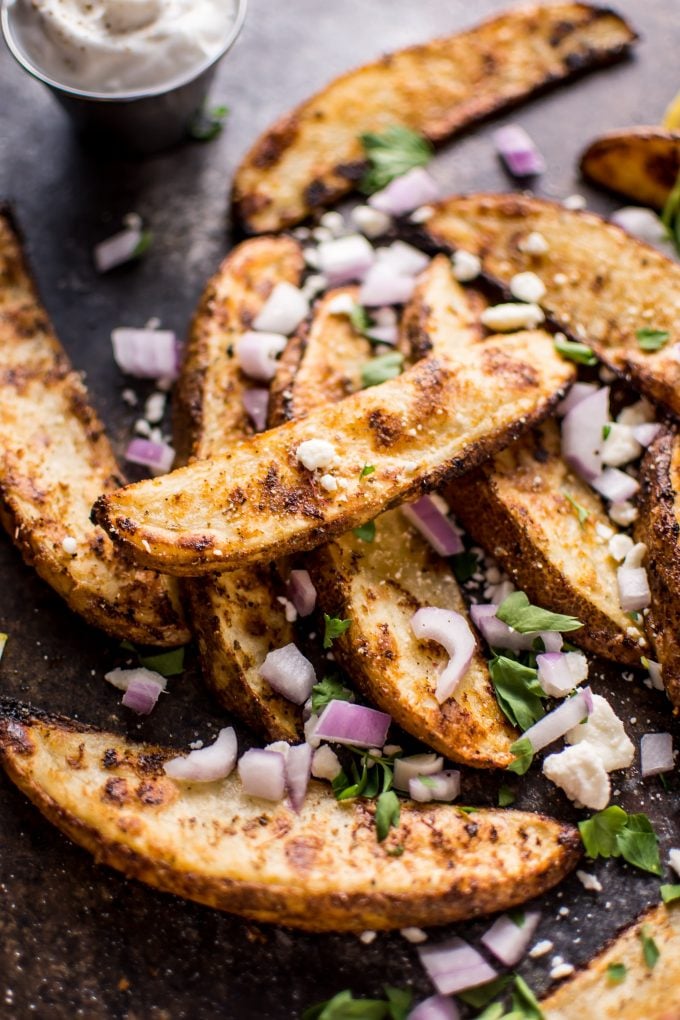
x=670 y=217
x=169 y=663
x=652 y=339
x=467 y=810
x=360 y=319
x=650 y=950
x=398 y=1002
x=606 y=429
x=506 y=796
x=333 y=627
x=344 y=1006
x=518 y=613
x=599 y=832
x=524 y=755
x=366 y=532
x=613 y=833
x=517 y=690
x=483 y=994
x=525 y=1002
x=143 y=245
x=616 y=973
x=392 y=153
x=581 y=511
x=379 y=370
x=574 y=351
x=367 y=469
x=670 y=893
x=465 y=564
x=207 y=124
x=386 y=814
x=493 y=1012
x=329 y=689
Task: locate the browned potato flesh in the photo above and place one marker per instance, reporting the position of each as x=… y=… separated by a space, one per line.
x=602 y=284
x=320 y=870
x=312 y=156
x=641 y=163
x=54 y=460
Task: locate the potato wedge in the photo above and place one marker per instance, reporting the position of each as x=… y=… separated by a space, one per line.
x=320 y=870
x=641 y=163
x=529 y=522
x=602 y=284
x=652 y=993
x=236 y=618
x=54 y=460
x=658 y=526
x=312 y=156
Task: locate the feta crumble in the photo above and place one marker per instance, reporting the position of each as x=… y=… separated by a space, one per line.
x=604 y=736
x=370 y=221
x=315 y=453
x=534 y=244
x=69 y=545
x=589 y=882
x=466 y=266
x=581 y=775
x=527 y=287
x=326 y=764
x=509 y=317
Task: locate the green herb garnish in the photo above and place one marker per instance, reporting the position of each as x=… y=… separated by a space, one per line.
x=574 y=351
x=652 y=339
x=360 y=319
x=367 y=469
x=524 y=755
x=616 y=973
x=670 y=893
x=207 y=124
x=386 y=814
x=379 y=370
x=481 y=996
x=650 y=950
x=465 y=565
x=143 y=245
x=333 y=627
x=518 y=691
x=166 y=663
x=506 y=796
x=581 y=511
x=613 y=833
x=392 y=153
x=366 y=532
x=327 y=690
x=344 y=1006
x=670 y=217
x=606 y=429
x=518 y=613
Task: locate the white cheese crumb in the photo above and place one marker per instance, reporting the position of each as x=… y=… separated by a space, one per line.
x=154 y=408
x=422 y=214
x=371 y=222
x=638 y=413
x=562 y=971
x=510 y=317
x=329 y=483
x=315 y=453
x=289 y=610
x=559 y=279
x=196 y=745
x=309 y=727
x=603 y=531
x=390 y=749
x=313 y=285
x=534 y=244
x=129 y=397
x=589 y=882
x=69 y=545
x=326 y=764
x=414 y=935
x=563 y=912
x=604 y=736
x=527 y=287
x=623 y=514
x=574 y=202
x=581 y=775
x=620 y=447
x=367 y=937
x=674 y=860
x=341 y=304
x=466 y=266
x=334 y=222
x=541 y=948
x=619 y=547
x=142 y=428
x=311 y=257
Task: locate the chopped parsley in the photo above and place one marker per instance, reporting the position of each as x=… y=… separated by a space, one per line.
x=391 y=154
x=366 y=532
x=614 y=833
x=606 y=429
x=670 y=893
x=143 y=245
x=525 y=1006
x=387 y=812
x=327 y=690
x=616 y=973
x=483 y=994
x=170 y=663
x=524 y=755
x=517 y=690
x=371 y=776
x=367 y=469
x=379 y=370
x=652 y=339
x=333 y=627
x=360 y=319
x=207 y=124
x=465 y=565
x=650 y=950
x=506 y=796
x=670 y=217
x=395 y=1006
x=574 y=351
x=581 y=511
x=518 y=613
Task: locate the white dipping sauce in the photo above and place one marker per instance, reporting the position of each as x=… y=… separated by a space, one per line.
x=115 y=46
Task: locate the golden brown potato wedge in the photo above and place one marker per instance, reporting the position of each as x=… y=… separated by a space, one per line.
x=320 y=870
x=658 y=526
x=522 y=507
x=313 y=155
x=641 y=163
x=236 y=618
x=602 y=284
x=652 y=993
x=54 y=460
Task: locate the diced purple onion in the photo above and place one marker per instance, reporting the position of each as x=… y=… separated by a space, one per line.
x=444 y=786
x=406 y=193
x=158 y=457
x=146 y=353
x=403 y=258
x=263 y=774
x=554 y=674
x=289 y=673
x=256 y=405
x=207 y=764
x=656 y=754
x=343 y=722
x=634 y=593
x=453 y=966
x=452 y=631
x=257 y=353
x=578 y=392
x=554 y=725
x=518 y=151
x=384 y=285
x=345 y=258
x=582 y=436
x=646 y=433
x=614 y=485
x=142 y=696
x=283 y=311
x=301 y=592
x=496 y=633
x=509 y=941
x=552 y=640
x=415 y=765
x=433 y=525
x=298 y=771
x=384 y=334
x=437 y=1007
x=116 y=250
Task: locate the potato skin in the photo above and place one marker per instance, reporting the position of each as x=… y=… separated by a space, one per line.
x=319 y=870
x=641 y=163
x=312 y=156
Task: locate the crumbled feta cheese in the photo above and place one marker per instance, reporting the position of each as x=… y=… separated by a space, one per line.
x=315 y=453
x=510 y=317
x=620 y=447
x=466 y=265
x=603 y=531
x=313 y=285
x=370 y=221
x=325 y=764
x=329 y=483
x=578 y=666
x=574 y=202
x=638 y=413
x=541 y=948
x=341 y=304
x=559 y=279
x=674 y=860
x=289 y=610
x=619 y=547
x=283 y=311
x=604 y=736
x=562 y=970
x=534 y=244
x=142 y=428
x=321 y=235
x=309 y=727
x=422 y=214
x=367 y=937
x=527 y=287
x=414 y=935
x=390 y=749
x=581 y=775
x=196 y=745
x=69 y=545
x=311 y=257
x=154 y=408
x=498 y=593
x=280 y=746
x=129 y=397
x=334 y=222
x=589 y=882
x=623 y=514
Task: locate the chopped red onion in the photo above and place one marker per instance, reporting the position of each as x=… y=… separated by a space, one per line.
x=146 y=353
x=616 y=486
x=578 y=392
x=554 y=725
x=433 y=525
x=454 y=966
x=582 y=434
x=444 y=786
x=157 y=457
x=509 y=941
x=384 y=285
x=263 y=774
x=122 y=247
x=437 y=1007
x=142 y=695
x=415 y=765
x=642 y=223
x=257 y=353
x=634 y=593
x=298 y=771
x=552 y=640
x=518 y=151
x=283 y=311
x=496 y=633
x=345 y=258
x=289 y=673
x=301 y=592
x=403 y=258
x=343 y=722
x=256 y=405
x=208 y=764
x=453 y=631
x=406 y=193
x=656 y=754
x=384 y=334
x=646 y=432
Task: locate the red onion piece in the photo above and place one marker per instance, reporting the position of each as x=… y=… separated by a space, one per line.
x=616 y=486
x=582 y=437
x=263 y=774
x=415 y=765
x=146 y=353
x=552 y=640
x=289 y=673
x=554 y=674
x=256 y=405
x=554 y=725
x=257 y=353
x=646 y=433
x=402 y=258
x=406 y=193
x=444 y=786
x=283 y=311
x=298 y=771
x=116 y=250
x=345 y=258
x=518 y=151
x=158 y=457
x=452 y=631
x=383 y=285
x=634 y=593
x=343 y=722
x=437 y=1007
x=141 y=696
x=578 y=392
x=509 y=941
x=433 y=525
x=301 y=592
x=384 y=334
x=207 y=764
x=454 y=966
x=496 y=633
x=656 y=754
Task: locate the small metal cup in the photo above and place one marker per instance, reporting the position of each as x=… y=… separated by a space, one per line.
x=142 y=122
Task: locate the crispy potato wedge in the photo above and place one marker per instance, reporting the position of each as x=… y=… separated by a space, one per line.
x=312 y=156
x=531 y=526
x=602 y=284
x=658 y=526
x=641 y=163
x=320 y=870
x=54 y=460
x=236 y=617
x=652 y=993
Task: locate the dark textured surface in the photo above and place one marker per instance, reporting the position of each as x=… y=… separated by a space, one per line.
x=76 y=940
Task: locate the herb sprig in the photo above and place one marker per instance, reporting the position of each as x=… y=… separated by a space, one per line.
x=392 y=153
x=614 y=833
x=343 y=1006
